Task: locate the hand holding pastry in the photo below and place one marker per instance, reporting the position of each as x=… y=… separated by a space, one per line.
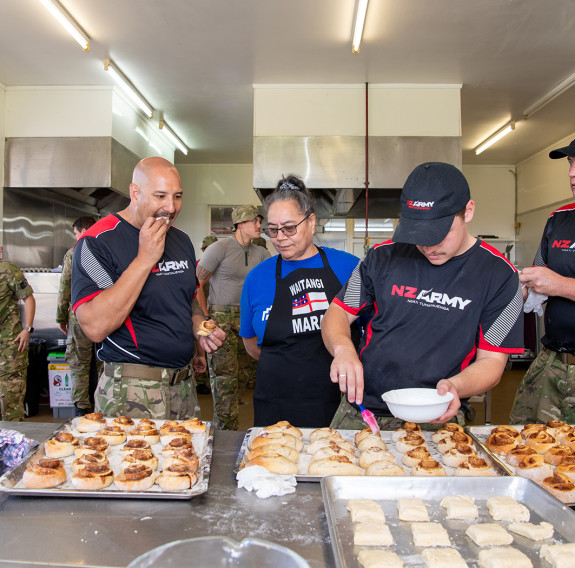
x=210 y=336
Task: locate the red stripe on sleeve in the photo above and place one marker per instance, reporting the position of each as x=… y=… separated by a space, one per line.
x=84 y=300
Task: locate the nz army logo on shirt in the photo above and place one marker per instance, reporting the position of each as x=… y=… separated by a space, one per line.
x=170 y=267
x=308 y=306
x=429 y=298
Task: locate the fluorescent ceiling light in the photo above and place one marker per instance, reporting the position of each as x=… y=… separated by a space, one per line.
x=173 y=137
x=128 y=88
x=67 y=22
x=495 y=137
x=359 y=21
x=552 y=94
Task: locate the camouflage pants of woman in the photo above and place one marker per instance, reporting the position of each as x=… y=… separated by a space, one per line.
x=13 y=371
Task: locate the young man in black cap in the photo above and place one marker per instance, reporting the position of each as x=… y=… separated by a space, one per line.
x=448 y=308
x=547 y=391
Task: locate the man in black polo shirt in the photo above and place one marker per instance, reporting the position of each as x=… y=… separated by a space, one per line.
x=447 y=307
x=547 y=391
x=134 y=293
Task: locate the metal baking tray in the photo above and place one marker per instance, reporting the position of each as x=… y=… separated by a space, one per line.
x=348 y=435
x=480 y=435
x=337 y=491
x=11 y=481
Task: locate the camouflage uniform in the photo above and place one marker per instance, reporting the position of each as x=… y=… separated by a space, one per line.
x=230 y=369
x=347 y=417
x=547 y=391
x=79 y=348
x=260 y=242
x=121 y=393
x=13 y=364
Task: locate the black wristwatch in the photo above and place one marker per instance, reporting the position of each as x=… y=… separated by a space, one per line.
x=30 y=329
x=207 y=318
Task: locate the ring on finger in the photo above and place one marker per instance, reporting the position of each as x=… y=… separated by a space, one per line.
x=342 y=375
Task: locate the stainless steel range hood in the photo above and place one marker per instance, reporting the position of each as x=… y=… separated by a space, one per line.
x=334 y=168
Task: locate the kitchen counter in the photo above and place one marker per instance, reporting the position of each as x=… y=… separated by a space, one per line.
x=51 y=531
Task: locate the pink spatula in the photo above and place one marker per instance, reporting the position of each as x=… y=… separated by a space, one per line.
x=369 y=418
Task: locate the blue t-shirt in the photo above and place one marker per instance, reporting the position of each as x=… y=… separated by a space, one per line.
x=259 y=288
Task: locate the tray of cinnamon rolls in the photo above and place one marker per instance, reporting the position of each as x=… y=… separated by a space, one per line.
x=311 y=454
x=544 y=453
x=96 y=456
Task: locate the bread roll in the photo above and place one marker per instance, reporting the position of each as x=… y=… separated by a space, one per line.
x=91 y=422
x=383 y=468
x=371 y=441
x=324 y=433
x=285 y=428
x=93 y=477
x=61 y=445
x=275 y=463
x=44 y=474
x=334 y=466
x=329 y=442
x=290 y=453
x=372 y=455
x=362 y=434
x=266 y=438
x=135 y=478
x=333 y=450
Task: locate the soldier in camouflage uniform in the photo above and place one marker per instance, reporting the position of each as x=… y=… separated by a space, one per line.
x=203 y=379
x=14 y=340
x=79 y=348
x=260 y=242
x=134 y=293
x=547 y=391
x=225 y=266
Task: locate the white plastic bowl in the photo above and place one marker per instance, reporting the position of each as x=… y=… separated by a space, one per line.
x=416 y=405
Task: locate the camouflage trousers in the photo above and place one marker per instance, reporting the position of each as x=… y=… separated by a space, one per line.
x=79 y=353
x=347 y=417
x=119 y=394
x=13 y=372
x=230 y=370
x=547 y=391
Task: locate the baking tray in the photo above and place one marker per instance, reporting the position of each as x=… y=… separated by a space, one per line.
x=480 y=435
x=11 y=481
x=337 y=491
x=348 y=435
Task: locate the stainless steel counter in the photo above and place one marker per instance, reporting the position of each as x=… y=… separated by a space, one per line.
x=112 y=532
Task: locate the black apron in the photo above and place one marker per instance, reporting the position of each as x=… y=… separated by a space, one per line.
x=293 y=381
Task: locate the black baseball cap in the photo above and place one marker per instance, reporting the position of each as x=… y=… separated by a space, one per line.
x=562 y=152
x=433 y=193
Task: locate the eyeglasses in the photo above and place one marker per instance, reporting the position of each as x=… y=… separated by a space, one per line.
x=287 y=230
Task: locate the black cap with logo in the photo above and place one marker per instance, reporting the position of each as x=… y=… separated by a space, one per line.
x=433 y=193
x=562 y=152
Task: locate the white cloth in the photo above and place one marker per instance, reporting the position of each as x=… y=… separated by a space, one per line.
x=265 y=484
x=534 y=303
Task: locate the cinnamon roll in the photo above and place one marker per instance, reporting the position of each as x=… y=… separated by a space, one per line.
x=339 y=465
x=534 y=468
x=137 y=477
x=114 y=435
x=324 y=433
x=145 y=430
x=556 y=453
x=89 y=459
x=474 y=466
x=456 y=456
x=144 y=457
x=177 y=444
x=410 y=441
x=561 y=486
x=333 y=449
x=325 y=442
x=363 y=434
x=176 y=477
x=123 y=422
x=413 y=457
x=516 y=454
x=61 y=445
x=569 y=440
x=449 y=442
x=92 y=445
x=407 y=427
x=275 y=463
x=195 y=425
x=372 y=455
x=428 y=467
x=44 y=474
x=285 y=428
x=93 y=476
x=289 y=453
x=188 y=458
x=500 y=443
x=383 y=468
x=567 y=469
x=513 y=432
x=530 y=428
x=91 y=422
x=266 y=438
x=540 y=441
x=371 y=441
x=446 y=430
x=135 y=444
x=557 y=427
x=168 y=433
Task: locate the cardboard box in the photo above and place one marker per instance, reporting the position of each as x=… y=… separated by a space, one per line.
x=60 y=382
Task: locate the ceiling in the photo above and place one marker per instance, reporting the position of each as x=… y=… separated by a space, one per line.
x=196 y=60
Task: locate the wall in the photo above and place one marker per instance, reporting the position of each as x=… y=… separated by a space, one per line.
x=493 y=190
x=542 y=186
x=209 y=184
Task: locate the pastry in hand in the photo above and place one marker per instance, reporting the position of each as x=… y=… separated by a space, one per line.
x=92 y=477
x=46 y=473
x=61 y=445
x=135 y=478
x=91 y=422
x=207 y=327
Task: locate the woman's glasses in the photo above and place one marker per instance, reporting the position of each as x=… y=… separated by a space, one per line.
x=287 y=230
